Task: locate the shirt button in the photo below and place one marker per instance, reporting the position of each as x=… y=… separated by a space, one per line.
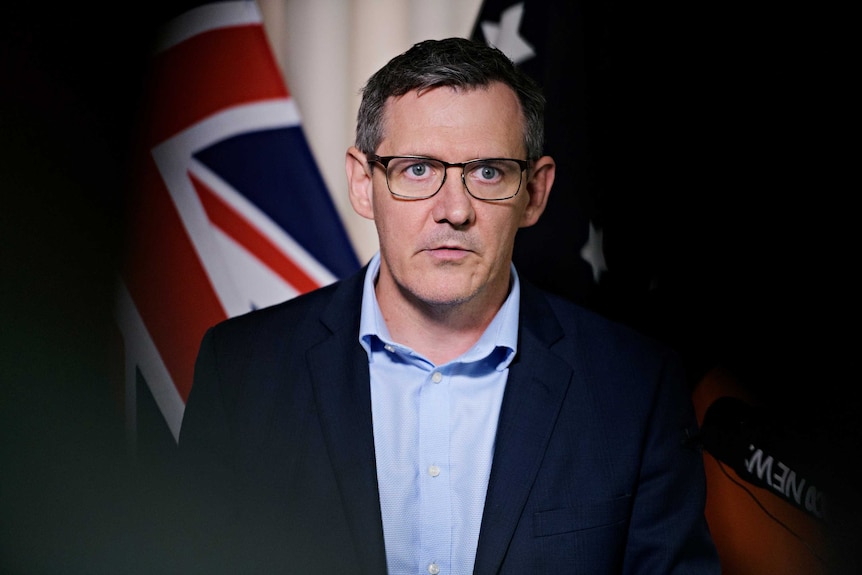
x=433 y=569
x=433 y=471
x=388 y=347
x=437 y=377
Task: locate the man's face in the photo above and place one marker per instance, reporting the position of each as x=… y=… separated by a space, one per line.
x=451 y=248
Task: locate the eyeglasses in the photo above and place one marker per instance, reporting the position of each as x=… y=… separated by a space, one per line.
x=419 y=177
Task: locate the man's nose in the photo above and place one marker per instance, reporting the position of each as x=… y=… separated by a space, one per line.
x=453 y=203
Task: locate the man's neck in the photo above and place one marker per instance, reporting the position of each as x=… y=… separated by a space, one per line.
x=440 y=332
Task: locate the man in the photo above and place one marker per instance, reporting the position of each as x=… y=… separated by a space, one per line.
x=435 y=413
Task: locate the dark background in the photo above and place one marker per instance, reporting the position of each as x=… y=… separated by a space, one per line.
x=726 y=181
x=70 y=499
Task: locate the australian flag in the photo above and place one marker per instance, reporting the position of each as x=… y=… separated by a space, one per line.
x=612 y=75
x=228 y=211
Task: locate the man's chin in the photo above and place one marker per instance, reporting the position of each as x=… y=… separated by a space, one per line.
x=441 y=297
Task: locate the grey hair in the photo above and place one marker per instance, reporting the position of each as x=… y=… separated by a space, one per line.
x=455 y=62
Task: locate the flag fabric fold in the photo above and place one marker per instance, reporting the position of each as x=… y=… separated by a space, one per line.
x=228 y=211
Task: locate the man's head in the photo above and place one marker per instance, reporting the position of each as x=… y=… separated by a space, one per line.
x=456 y=62
x=448 y=165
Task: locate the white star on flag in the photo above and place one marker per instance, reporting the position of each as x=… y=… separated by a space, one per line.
x=593 y=254
x=505 y=35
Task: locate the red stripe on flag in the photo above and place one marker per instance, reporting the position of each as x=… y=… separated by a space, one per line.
x=166 y=280
x=208 y=73
x=237 y=227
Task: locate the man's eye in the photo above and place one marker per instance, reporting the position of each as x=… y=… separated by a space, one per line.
x=418 y=170
x=488 y=172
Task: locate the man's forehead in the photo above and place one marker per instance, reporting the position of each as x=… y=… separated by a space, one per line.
x=455 y=125
x=440 y=97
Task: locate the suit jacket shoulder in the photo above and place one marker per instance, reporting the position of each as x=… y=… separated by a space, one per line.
x=591 y=453
x=277 y=443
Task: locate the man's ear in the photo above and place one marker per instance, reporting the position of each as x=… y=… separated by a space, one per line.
x=359 y=183
x=541 y=175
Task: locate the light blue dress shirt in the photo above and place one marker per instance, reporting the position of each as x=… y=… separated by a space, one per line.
x=434 y=430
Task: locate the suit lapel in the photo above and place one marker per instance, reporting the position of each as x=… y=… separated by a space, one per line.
x=537 y=383
x=339 y=368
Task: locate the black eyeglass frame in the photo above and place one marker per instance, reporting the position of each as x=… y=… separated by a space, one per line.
x=384 y=161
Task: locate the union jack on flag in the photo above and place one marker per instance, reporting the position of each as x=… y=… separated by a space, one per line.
x=228 y=210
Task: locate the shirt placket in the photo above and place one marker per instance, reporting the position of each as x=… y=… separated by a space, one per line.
x=435 y=517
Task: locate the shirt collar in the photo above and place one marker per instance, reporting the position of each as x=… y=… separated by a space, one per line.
x=501 y=333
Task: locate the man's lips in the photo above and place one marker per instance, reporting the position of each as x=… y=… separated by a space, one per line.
x=448 y=251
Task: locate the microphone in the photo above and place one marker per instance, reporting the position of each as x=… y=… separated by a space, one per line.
x=766 y=454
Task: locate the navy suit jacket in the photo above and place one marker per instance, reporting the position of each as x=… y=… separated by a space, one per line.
x=592 y=471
